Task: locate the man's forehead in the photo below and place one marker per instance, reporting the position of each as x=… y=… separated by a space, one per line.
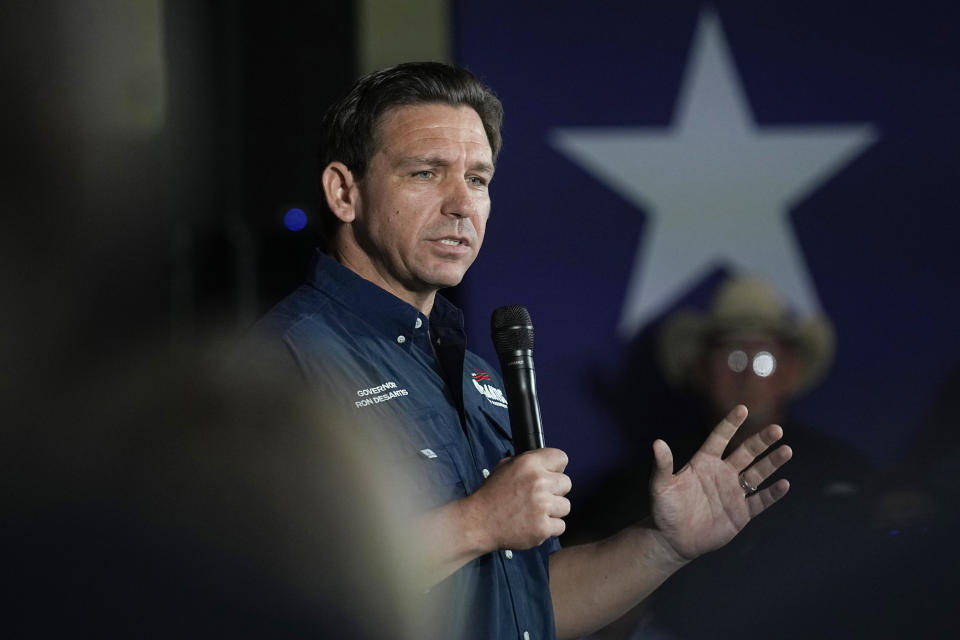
x=430 y=123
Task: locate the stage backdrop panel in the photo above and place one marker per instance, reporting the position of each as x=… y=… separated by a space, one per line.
x=651 y=147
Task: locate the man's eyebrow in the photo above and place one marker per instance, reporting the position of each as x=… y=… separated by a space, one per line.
x=483 y=167
x=436 y=161
x=430 y=161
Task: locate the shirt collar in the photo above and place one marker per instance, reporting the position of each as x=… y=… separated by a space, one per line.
x=377 y=306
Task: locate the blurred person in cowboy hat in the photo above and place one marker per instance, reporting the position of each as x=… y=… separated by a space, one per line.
x=746 y=347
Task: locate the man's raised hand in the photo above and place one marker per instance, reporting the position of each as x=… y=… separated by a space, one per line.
x=704 y=505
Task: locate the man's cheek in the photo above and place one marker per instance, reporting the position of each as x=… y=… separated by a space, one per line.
x=481 y=228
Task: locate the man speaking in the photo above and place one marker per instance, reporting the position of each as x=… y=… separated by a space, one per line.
x=407 y=158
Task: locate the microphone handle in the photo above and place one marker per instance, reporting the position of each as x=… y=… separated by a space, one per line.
x=520 y=386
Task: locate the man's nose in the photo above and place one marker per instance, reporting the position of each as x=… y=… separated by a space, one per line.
x=461 y=200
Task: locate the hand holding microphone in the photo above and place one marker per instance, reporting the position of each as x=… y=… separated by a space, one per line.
x=522 y=501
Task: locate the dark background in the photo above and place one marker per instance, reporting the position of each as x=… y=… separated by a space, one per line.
x=173 y=228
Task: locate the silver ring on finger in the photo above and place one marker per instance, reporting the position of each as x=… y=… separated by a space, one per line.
x=746 y=486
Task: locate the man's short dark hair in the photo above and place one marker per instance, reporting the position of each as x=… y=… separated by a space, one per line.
x=349 y=127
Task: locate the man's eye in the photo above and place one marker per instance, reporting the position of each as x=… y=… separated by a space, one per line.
x=423 y=174
x=477 y=181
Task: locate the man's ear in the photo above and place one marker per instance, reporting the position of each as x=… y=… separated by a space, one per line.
x=340 y=190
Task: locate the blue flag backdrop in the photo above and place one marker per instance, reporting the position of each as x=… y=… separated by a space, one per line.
x=650 y=147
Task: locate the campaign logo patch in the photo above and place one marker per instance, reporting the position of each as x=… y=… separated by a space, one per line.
x=493 y=395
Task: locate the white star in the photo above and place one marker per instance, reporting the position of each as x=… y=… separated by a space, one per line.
x=716 y=187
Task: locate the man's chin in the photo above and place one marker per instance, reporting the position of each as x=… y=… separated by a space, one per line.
x=446 y=278
x=447 y=283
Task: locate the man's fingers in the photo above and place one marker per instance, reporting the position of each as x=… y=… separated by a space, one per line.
x=560 y=507
x=744 y=455
x=664 y=461
x=558 y=526
x=552 y=459
x=563 y=484
x=763 y=499
x=756 y=474
x=721 y=434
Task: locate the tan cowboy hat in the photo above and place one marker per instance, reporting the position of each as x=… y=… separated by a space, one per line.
x=746 y=304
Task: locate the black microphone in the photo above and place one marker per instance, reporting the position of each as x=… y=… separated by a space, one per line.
x=512 y=333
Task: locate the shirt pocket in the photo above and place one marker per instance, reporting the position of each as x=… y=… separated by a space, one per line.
x=427 y=465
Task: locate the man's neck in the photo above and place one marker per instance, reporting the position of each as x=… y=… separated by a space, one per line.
x=422 y=301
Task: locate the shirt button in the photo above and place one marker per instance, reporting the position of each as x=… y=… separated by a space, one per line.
x=486 y=473
x=401 y=339
x=418 y=324
x=509 y=554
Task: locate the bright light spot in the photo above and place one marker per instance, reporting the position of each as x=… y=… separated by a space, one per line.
x=764 y=364
x=295 y=219
x=737 y=361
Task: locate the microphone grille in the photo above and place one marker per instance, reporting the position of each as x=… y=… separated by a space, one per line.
x=511 y=329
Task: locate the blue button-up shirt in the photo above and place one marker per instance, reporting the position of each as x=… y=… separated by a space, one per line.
x=369 y=354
